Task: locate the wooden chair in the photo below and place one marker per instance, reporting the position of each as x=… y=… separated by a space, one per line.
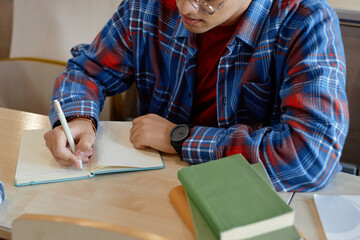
x=27 y=85
x=36 y=227
x=43 y=32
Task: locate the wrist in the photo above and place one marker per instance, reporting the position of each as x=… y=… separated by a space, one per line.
x=89 y=119
x=85 y=120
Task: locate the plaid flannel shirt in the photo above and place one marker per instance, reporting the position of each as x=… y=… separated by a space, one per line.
x=280 y=91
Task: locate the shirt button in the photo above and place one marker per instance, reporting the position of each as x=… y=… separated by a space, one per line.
x=224 y=100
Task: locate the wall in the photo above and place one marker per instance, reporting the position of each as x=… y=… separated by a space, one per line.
x=5 y=27
x=351 y=40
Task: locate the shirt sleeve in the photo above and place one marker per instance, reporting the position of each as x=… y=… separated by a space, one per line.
x=97 y=70
x=302 y=151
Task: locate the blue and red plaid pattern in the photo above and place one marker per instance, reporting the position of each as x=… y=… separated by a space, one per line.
x=280 y=91
x=2 y=193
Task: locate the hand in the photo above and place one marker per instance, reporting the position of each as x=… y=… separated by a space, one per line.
x=152 y=131
x=84 y=137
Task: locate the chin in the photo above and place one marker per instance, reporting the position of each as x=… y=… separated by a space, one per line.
x=196 y=29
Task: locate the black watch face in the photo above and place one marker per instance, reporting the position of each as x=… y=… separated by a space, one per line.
x=180 y=133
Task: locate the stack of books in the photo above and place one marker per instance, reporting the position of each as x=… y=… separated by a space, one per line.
x=231 y=199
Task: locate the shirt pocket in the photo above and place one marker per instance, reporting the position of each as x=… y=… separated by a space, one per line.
x=259 y=101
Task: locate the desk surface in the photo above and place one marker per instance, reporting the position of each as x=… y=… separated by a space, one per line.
x=135 y=199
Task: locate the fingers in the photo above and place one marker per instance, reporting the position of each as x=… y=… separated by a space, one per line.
x=138 y=138
x=57 y=143
x=141 y=131
x=152 y=131
x=84 y=137
x=84 y=149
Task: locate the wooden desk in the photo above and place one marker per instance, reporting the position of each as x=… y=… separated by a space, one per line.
x=135 y=199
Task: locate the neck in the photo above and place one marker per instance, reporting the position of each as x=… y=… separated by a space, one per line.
x=237 y=16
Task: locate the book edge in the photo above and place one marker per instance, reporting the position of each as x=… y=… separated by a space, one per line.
x=261 y=227
x=35 y=182
x=178 y=198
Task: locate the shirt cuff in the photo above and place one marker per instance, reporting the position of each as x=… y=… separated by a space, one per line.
x=82 y=108
x=203 y=144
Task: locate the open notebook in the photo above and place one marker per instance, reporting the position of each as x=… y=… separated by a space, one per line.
x=113 y=152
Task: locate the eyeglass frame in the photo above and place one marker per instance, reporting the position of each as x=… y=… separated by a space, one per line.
x=206 y=7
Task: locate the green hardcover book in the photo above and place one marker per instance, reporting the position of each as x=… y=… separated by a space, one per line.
x=204 y=232
x=229 y=197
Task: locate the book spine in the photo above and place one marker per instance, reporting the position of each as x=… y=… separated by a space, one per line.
x=199 y=203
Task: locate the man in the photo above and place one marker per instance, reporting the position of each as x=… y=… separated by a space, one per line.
x=262 y=78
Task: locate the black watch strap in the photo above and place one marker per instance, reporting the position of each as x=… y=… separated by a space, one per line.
x=178 y=147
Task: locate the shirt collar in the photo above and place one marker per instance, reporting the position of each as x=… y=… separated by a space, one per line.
x=252 y=22
x=249 y=27
x=180 y=30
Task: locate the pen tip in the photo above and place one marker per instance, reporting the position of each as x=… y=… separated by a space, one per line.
x=80 y=164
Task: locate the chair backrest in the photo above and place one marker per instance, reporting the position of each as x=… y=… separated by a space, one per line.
x=27 y=85
x=36 y=226
x=49 y=28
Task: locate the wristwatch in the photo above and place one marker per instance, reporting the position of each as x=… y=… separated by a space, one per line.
x=178 y=135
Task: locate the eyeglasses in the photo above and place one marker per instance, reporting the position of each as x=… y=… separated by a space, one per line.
x=205 y=7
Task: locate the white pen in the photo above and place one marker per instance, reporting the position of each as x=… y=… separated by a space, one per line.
x=291 y=197
x=66 y=129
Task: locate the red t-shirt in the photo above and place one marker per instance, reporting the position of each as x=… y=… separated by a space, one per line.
x=211 y=46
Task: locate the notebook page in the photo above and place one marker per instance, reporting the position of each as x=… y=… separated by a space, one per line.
x=35 y=162
x=113 y=148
